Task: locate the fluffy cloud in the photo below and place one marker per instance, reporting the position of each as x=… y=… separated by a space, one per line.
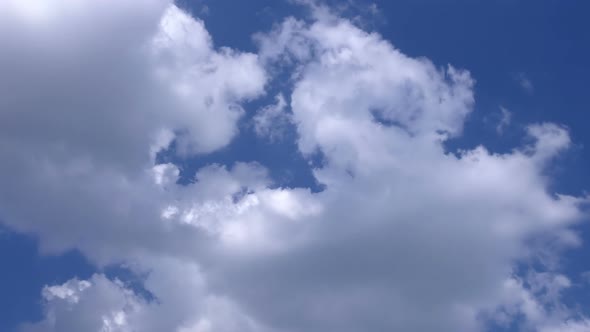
x=404 y=236
x=114 y=67
x=537 y=298
x=100 y=304
x=90 y=92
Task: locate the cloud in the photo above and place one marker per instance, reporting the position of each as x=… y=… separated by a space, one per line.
x=391 y=220
x=505 y=120
x=404 y=236
x=525 y=83
x=569 y=326
x=100 y=304
x=550 y=138
x=115 y=83
x=272 y=121
x=97 y=304
x=537 y=298
x=131 y=72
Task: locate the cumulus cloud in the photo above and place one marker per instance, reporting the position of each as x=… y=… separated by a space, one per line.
x=100 y=304
x=405 y=235
x=91 y=91
x=113 y=67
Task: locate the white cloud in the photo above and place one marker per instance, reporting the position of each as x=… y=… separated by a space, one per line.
x=525 y=83
x=104 y=305
x=537 y=298
x=505 y=120
x=405 y=236
x=95 y=305
x=572 y=325
x=272 y=121
x=406 y=228
x=90 y=96
x=114 y=68
x=551 y=139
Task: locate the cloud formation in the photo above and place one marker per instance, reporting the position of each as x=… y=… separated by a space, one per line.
x=525 y=83
x=405 y=235
x=505 y=120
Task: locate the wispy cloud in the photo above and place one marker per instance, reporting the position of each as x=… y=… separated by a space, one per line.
x=505 y=120
x=525 y=83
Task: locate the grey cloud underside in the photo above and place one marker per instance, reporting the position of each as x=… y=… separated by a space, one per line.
x=405 y=236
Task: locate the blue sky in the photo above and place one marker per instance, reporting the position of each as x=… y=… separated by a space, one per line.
x=313 y=217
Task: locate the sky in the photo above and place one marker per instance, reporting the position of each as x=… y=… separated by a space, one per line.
x=294 y=166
